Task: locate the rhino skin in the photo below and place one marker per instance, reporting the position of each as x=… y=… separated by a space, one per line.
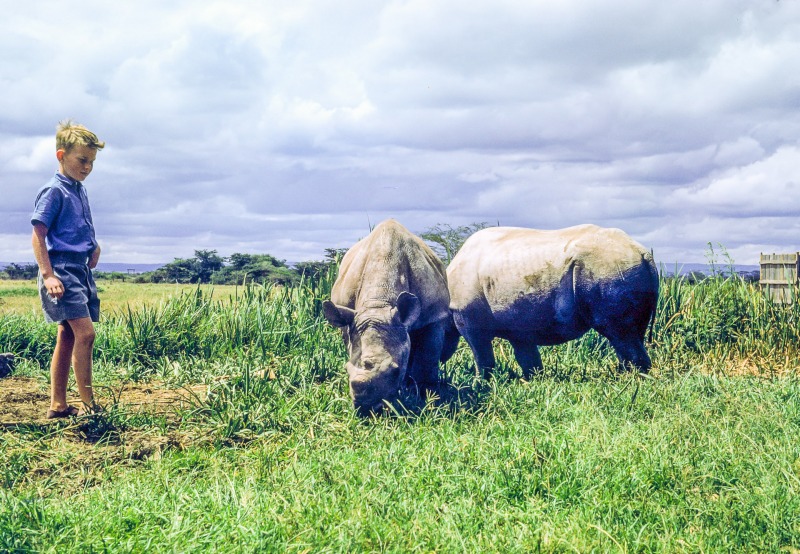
x=535 y=287
x=391 y=302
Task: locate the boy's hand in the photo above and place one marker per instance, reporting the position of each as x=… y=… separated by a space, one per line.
x=94 y=258
x=54 y=286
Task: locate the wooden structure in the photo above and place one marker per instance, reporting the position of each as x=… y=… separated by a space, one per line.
x=779 y=276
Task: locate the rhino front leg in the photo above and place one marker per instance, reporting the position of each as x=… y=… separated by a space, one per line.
x=451 y=338
x=528 y=358
x=426 y=350
x=482 y=349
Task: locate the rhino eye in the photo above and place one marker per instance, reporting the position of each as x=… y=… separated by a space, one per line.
x=368 y=365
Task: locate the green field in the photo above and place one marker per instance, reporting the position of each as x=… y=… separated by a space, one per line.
x=701 y=456
x=22 y=297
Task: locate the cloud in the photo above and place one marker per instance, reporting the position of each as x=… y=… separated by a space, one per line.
x=290 y=128
x=769 y=187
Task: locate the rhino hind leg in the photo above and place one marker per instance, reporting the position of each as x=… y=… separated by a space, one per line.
x=625 y=324
x=632 y=355
x=426 y=350
x=628 y=344
x=528 y=358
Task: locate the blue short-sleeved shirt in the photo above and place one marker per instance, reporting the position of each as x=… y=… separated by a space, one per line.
x=63 y=207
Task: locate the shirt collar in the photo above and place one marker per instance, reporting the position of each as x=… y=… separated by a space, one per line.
x=67 y=180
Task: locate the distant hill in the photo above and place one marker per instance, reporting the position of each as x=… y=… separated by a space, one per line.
x=705 y=269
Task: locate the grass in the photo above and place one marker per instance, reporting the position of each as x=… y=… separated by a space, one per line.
x=13 y=292
x=702 y=456
x=22 y=297
x=697 y=463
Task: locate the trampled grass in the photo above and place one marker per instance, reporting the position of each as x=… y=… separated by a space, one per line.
x=702 y=456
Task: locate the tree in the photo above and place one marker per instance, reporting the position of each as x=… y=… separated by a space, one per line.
x=316 y=270
x=208 y=267
x=335 y=255
x=199 y=269
x=261 y=268
x=207 y=262
x=16 y=271
x=239 y=261
x=311 y=269
x=180 y=270
x=446 y=240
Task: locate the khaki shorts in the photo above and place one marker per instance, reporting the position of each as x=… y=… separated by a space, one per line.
x=80 y=294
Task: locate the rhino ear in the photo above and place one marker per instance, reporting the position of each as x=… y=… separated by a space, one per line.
x=338 y=316
x=408 y=308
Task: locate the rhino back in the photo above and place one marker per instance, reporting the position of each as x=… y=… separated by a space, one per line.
x=500 y=267
x=388 y=261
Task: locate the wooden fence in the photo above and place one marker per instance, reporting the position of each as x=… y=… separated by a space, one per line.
x=779 y=276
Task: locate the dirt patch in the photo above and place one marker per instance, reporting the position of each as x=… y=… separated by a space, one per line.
x=35 y=449
x=26 y=400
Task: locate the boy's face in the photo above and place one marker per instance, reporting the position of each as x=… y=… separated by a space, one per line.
x=77 y=163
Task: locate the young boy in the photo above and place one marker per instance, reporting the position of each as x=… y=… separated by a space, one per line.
x=66 y=250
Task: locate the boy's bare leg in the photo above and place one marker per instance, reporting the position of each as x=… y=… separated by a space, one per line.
x=59 y=367
x=83 y=331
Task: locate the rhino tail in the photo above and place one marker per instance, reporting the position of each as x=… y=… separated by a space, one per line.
x=650 y=261
x=652 y=324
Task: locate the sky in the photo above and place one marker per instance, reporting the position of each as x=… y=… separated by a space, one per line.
x=285 y=128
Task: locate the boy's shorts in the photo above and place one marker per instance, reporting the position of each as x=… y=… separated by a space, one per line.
x=80 y=292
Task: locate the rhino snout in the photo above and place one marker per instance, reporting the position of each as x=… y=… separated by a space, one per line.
x=366 y=399
x=369 y=388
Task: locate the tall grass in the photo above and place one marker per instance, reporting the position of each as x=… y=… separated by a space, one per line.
x=725 y=318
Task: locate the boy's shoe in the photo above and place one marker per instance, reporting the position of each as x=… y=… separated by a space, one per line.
x=67 y=412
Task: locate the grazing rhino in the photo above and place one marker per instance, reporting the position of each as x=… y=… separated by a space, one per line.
x=536 y=287
x=391 y=302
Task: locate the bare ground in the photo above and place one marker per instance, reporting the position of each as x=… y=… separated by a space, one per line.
x=92 y=444
x=25 y=400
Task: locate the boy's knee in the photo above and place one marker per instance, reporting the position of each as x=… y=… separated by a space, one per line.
x=83 y=344
x=86 y=337
x=83 y=331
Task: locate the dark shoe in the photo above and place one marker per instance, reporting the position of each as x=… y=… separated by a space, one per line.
x=67 y=412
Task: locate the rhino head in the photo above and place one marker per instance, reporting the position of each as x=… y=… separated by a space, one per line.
x=378 y=346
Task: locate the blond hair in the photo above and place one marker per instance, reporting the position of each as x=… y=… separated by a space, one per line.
x=70 y=134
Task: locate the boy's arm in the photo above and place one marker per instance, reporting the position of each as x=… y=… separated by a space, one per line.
x=95 y=257
x=53 y=284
